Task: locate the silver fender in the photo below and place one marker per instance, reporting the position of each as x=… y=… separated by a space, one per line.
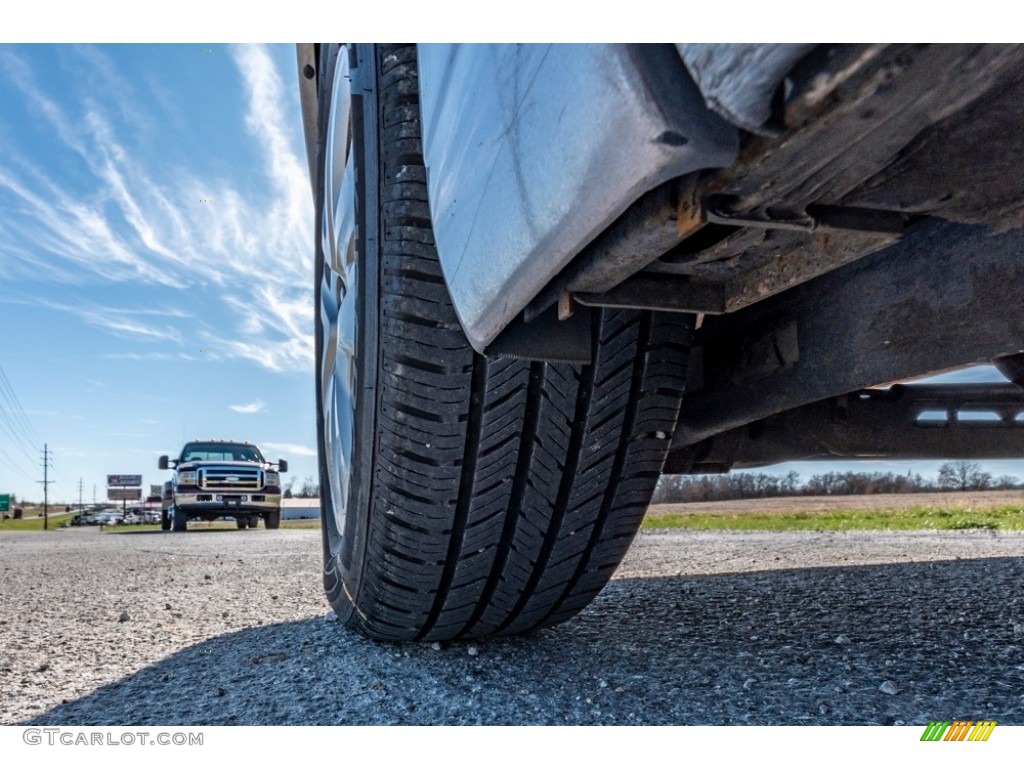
x=533 y=150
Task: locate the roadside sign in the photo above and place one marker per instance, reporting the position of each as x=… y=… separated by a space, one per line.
x=156 y=490
x=5 y=502
x=124 y=494
x=124 y=479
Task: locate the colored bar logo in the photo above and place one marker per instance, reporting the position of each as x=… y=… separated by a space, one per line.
x=958 y=730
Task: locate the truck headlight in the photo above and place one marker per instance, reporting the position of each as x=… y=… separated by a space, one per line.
x=272 y=478
x=187 y=478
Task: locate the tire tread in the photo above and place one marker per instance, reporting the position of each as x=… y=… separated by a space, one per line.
x=505 y=492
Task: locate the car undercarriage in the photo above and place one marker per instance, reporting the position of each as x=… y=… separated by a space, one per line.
x=874 y=235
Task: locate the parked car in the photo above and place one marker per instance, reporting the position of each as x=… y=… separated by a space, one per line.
x=547 y=274
x=108 y=518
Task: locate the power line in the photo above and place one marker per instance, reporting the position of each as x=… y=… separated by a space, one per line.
x=16 y=424
x=18 y=409
x=14 y=428
x=12 y=464
x=16 y=440
x=24 y=422
x=61 y=477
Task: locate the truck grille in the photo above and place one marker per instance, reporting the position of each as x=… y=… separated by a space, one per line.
x=216 y=479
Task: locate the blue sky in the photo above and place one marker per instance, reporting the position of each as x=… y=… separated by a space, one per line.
x=155 y=258
x=156 y=262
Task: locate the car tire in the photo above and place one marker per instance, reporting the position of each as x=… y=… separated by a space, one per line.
x=461 y=496
x=254 y=521
x=165 y=521
x=272 y=520
x=180 y=521
x=241 y=523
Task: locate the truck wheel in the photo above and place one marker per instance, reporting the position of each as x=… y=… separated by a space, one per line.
x=241 y=523
x=461 y=496
x=180 y=520
x=165 y=520
x=273 y=520
x=254 y=521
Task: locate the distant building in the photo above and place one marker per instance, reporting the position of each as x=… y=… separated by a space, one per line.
x=297 y=509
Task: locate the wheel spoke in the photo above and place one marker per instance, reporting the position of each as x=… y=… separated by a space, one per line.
x=344 y=244
x=329 y=324
x=338 y=295
x=338 y=127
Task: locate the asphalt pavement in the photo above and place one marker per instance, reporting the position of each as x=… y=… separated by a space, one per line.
x=230 y=627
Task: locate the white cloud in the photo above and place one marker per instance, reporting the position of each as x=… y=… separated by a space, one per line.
x=73 y=231
x=250 y=252
x=285 y=356
x=119 y=320
x=255 y=406
x=19 y=73
x=292 y=448
x=131 y=328
x=268 y=122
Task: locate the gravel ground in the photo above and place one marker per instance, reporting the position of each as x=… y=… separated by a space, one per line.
x=229 y=627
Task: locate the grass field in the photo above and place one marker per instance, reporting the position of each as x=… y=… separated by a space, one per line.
x=32 y=523
x=216 y=525
x=993 y=510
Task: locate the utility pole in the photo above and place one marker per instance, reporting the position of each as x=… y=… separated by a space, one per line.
x=46 y=486
x=81 y=509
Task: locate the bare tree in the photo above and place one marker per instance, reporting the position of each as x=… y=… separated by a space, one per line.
x=963 y=476
x=1006 y=483
x=790 y=485
x=310 y=489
